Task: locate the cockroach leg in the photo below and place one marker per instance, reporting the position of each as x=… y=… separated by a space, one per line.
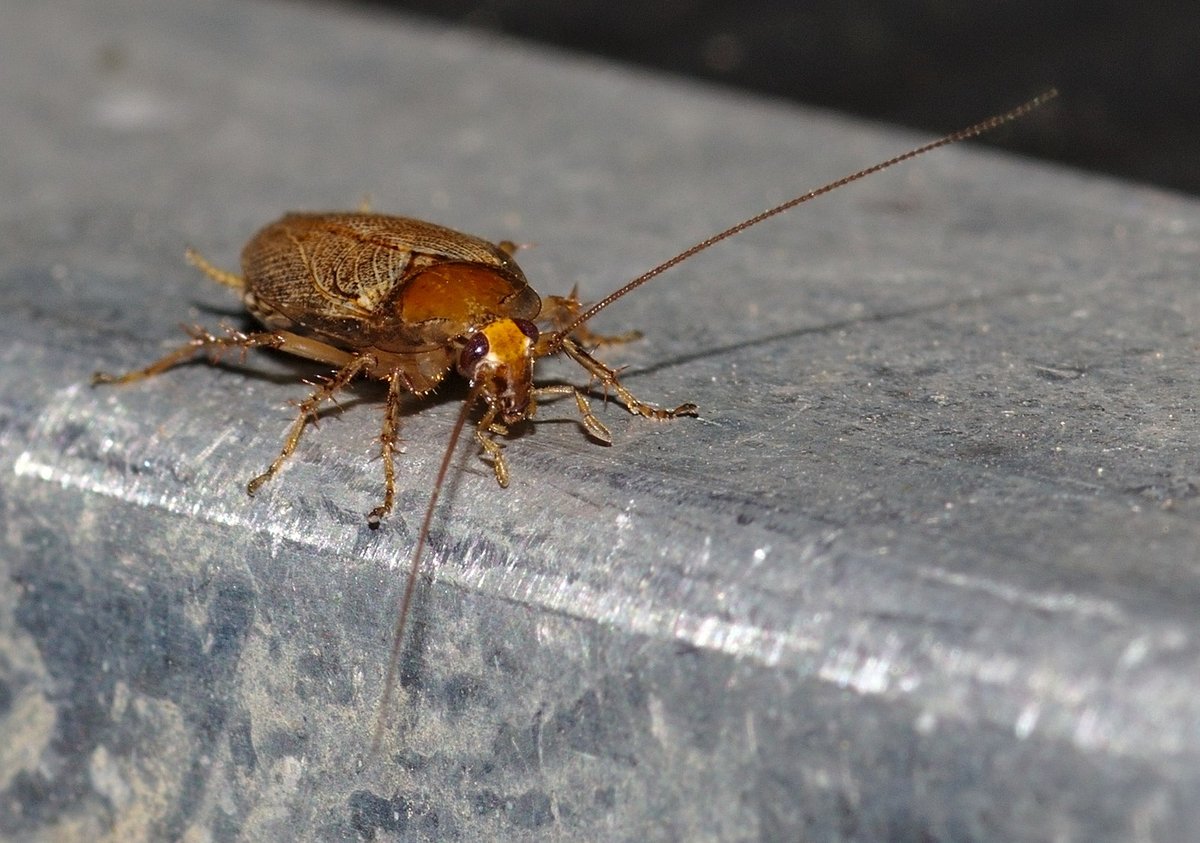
x=308 y=412
x=592 y=424
x=215 y=273
x=201 y=341
x=398 y=384
x=561 y=311
x=608 y=378
x=487 y=425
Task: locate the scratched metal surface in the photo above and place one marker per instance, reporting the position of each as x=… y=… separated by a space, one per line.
x=925 y=568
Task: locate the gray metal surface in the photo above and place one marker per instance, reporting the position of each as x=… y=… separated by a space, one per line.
x=925 y=568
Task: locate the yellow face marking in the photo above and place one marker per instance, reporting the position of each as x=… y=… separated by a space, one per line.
x=506 y=342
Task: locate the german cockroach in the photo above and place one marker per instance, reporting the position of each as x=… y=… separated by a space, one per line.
x=407 y=302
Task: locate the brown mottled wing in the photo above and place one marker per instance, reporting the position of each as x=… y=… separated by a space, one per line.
x=340 y=276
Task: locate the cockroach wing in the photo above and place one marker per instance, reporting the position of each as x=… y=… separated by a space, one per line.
x=362 y=281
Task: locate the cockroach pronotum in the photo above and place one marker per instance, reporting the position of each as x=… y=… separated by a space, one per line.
x=405 y=301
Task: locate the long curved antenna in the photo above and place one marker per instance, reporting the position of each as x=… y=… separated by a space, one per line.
x=963 y=134
x=414 y=570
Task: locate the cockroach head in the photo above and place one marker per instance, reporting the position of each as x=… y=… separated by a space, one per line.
x=498 y=360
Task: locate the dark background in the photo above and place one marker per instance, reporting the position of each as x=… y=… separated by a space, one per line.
x=1129 y=74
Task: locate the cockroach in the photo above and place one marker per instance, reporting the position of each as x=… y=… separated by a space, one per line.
x=406 y=301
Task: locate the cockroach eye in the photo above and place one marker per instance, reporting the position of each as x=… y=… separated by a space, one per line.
x=474 y=351
x=527 y=328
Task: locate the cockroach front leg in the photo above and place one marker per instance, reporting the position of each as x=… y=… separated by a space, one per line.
x=308 y=412
x=592 y=424
x=487 y=426
x=562 y=310
x=201 y=341
x=608 y=378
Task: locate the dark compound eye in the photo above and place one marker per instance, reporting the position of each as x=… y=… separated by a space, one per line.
x=474 y=351
x=527 y=328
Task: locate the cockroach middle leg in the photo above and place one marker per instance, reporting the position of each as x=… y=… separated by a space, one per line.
x=201 y=341
x=308 y=412
x=608 y=378
x=398 y=384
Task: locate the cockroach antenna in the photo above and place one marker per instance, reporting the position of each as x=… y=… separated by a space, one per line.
x=560 y=339
x=954 y=137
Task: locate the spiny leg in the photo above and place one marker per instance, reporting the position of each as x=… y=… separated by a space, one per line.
x=592 y=424
x=608 y=377
x=562 y=310
x=397 y=385
x=201 y=341
x=308 y=412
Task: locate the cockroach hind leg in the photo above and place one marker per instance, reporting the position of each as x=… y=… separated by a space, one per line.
x=201 y=263
x=307 y=412
x=201 y=341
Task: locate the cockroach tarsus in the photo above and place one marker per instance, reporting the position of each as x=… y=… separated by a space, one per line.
x=406 y=301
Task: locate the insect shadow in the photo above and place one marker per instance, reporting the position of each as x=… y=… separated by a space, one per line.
x=717 y=351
